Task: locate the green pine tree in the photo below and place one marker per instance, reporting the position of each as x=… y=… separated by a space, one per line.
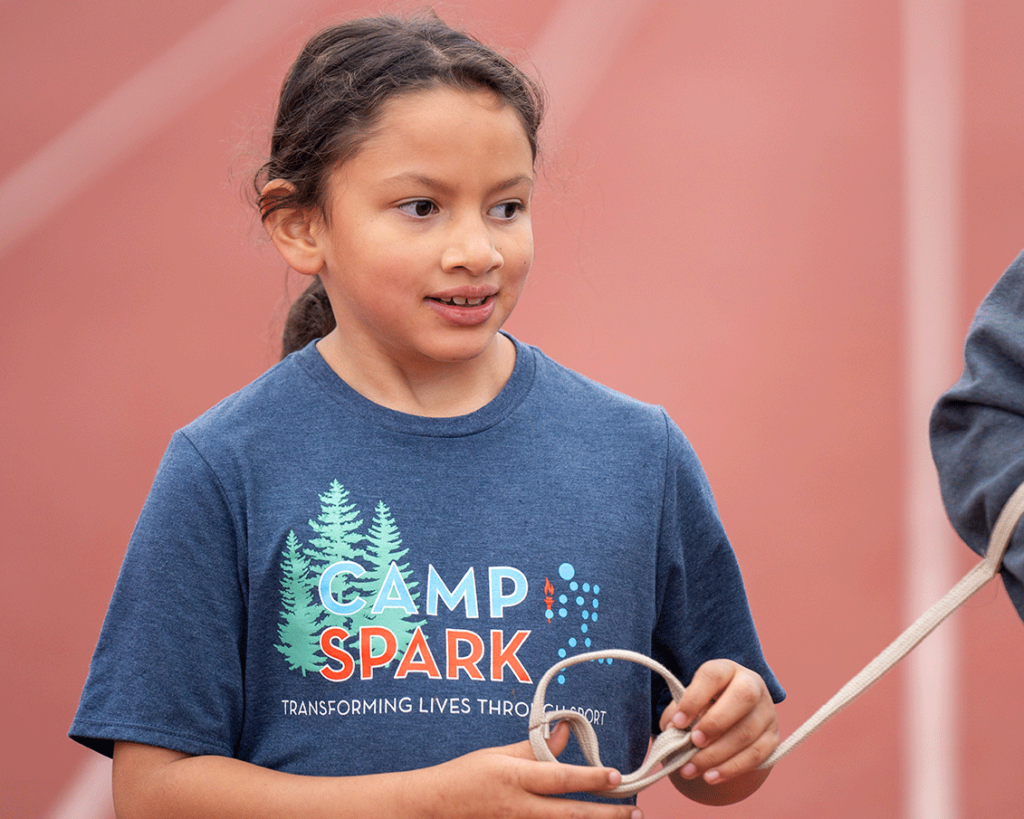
x=384 y=543
x=297 y=630
x=337 y=529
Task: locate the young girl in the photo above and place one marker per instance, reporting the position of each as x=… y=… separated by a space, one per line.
x=349 y=576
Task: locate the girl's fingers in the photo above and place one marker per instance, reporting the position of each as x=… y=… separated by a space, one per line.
x=667 y=714
x=704 y=689
x=524 y=750
x=555 y=777
x=552 y=779
x=742 y=748
x=733 y=721
x=559 y=738
x=745 y=694
x=749 y=759
x=507 y=781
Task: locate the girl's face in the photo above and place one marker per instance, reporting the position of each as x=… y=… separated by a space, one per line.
x=428 y=241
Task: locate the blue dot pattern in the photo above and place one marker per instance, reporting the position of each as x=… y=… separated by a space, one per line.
x=583 y=606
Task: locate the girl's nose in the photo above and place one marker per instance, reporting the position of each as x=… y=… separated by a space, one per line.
x=471 y=248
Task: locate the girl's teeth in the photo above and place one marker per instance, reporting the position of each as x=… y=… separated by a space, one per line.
x=461 y=301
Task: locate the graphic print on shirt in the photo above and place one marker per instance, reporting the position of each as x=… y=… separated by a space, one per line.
x=352 y=606
x=574 y=601
x=340 y=563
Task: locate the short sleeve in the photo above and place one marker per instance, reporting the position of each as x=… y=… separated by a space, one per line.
x=167 y=670
x=977 y=426
x=703 y=613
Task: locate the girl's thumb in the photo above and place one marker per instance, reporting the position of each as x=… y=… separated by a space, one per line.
x=556 y=742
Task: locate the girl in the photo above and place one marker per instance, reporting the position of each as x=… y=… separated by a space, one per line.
x=349 y=576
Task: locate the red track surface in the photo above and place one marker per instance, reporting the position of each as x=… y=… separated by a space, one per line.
x=721 y=231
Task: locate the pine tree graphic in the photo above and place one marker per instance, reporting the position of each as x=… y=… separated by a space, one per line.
x=384 y=549
x=297 y=630
x=384 y=580
x=338 y=533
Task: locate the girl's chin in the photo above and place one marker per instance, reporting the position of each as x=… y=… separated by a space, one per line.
x=467 y=352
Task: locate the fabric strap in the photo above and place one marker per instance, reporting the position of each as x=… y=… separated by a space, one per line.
x=672 y=748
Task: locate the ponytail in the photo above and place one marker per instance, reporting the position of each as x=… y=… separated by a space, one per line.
x=310 y=317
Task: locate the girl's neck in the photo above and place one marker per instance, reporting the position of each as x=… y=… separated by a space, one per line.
x=433 y=389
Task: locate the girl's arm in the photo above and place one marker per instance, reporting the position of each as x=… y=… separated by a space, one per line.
x=734 y=725
x=156 y=783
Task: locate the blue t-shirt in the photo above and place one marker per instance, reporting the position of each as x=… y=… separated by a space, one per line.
x=321 y=585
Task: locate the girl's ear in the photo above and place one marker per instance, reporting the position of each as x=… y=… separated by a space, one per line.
x=293 y=233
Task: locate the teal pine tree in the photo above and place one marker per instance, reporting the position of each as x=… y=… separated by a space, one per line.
x=297 y=630
x=384 y=543
x=337 y=528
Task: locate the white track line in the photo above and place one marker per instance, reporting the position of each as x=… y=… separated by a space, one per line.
x=932 y=114
x=137 y=110
x=574 y=51
x=88 y=794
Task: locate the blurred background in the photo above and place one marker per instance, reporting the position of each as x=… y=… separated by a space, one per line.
x=775 y=219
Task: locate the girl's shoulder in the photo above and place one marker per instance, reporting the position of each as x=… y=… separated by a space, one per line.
x=591 y=401
x=278 y=399
x=604 y=418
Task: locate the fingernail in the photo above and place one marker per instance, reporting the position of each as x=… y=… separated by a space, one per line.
x=689 y=770
x=680 y=720
x=698 y=739
x=711 y=777
x=637 y=814
x=614 y=778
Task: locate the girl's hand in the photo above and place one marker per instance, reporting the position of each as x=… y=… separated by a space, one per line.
x=734 y=725
x=509 y=782
x=506 y=782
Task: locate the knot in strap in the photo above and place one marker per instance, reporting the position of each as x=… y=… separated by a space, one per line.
x=671 y=748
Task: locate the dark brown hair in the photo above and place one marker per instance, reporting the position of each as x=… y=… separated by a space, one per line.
x=332 y=98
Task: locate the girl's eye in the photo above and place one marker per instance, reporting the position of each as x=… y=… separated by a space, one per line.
x=420 y=208
x=506 y=210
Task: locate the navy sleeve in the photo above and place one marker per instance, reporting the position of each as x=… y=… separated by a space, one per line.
x=167 y=670
x=703 y=613
x=977 y=426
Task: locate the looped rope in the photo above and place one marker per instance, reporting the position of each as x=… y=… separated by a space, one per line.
x=672 y=748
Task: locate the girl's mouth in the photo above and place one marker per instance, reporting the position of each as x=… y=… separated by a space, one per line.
x=463 y=310
x=460 y=301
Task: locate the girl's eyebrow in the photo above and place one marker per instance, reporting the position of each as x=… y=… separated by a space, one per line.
x=446 y=189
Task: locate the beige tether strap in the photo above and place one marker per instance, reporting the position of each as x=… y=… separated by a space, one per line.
x=672 y=748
